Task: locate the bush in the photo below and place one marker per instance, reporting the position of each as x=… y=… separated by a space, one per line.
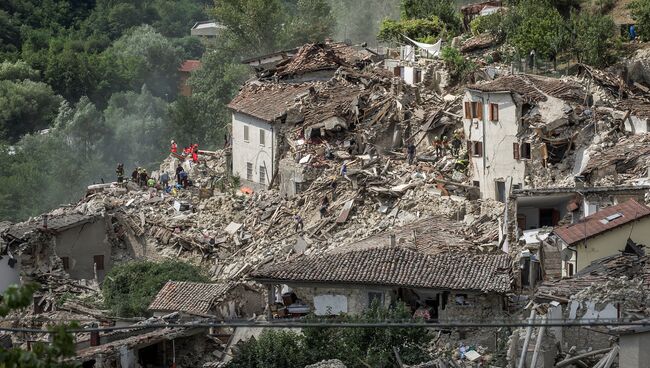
x=459 y=67
x=490 y=23
x=417 y=29
x=273 y=349
x=130 y=287
x=641 y=13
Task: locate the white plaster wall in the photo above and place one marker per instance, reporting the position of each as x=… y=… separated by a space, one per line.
x=608 y=312
x=498 y=137
x=532 y=216
x=328 y=304
x=634 y=350
x=637 y=125
x=357 y=297
x=251 y=151
x=409 y=75
x=8 y=275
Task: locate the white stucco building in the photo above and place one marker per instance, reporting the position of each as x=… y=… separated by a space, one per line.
x=258 y=112
x=497 y=121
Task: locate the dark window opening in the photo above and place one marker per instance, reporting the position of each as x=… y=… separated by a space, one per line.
x=494 y=112
x=99 y=262
x=525 y=150
x=66 y=263
x=476 y=183
x=570 y=269
x=501 y=191
x=548 y=217
x=461 y=299
x=477 y=149
x=372 y=296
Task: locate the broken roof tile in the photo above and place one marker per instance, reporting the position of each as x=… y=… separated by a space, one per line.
x=532 y=88
x=598 y=223
x=267 y=101
x=188 y=297
x=312 y=57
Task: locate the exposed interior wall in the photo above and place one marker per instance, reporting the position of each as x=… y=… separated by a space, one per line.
x=634 y=350
x=356 y=299
x=476 y=306
x=241 y=302
x=8 y=275
x=497 y=161
x=612 y=242
x=252 y=151
x=637 y=125
x=80 y=244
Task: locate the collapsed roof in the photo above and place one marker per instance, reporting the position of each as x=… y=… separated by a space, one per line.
x=267 y=101
x=533 y=88
x=190 y=297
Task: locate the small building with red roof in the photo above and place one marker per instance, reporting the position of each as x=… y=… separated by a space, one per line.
x=185 y=70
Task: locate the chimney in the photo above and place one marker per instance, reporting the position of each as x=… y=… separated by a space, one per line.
x=393 y=243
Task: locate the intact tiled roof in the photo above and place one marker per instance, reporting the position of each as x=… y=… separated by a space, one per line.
x=190 y=65
x=532 y=88
x=312 y=57
x=597 y=224
x=189 y=297
x=267 y=101
x=397 y=266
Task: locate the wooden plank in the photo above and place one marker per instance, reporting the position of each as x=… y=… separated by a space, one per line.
x=345 y=212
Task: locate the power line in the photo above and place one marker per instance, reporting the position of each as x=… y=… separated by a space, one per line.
x=287 y=324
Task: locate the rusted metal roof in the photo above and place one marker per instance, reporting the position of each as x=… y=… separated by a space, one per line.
x=602 y=221
x=189 y=297
x=397 y=266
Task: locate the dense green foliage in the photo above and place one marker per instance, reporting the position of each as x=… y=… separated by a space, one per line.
x=593 y=42
x=424 y=21
x=50 y=355
x=492 y=24
x=459 y=67
x=356 y=347
x=641 y=13
x=536 y=25
x=130 y=287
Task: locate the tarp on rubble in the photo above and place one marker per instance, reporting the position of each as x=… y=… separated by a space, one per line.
x=433 y=50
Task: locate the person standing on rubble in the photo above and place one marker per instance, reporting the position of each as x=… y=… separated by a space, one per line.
x=324 y=204
x=120 y=172
x=174 y=147
x=437 y=144
x=164 y=180
x=455 y=145
x=410 y=152
x=445 y=145
x=333 y=185
x=184 y=179
x=299 y=224
x=144 y=177
x=135 y=175
x=195 y=153
x=179 y=169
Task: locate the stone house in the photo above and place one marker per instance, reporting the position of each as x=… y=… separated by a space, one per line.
x=434 y=286
x=221 y=300
x=602 y=234
x=500 y=118
x=80 y=242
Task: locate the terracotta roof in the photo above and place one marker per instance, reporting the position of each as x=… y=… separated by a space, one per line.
x=267 y=101
x=190 y=65
x=599 y=271
x=332 y=99
x=532 y=88
x=597 y=223
x=189 y=297
x=312 y=57
x=397 y=266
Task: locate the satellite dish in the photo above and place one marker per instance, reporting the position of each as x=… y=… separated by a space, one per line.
x=567 y=254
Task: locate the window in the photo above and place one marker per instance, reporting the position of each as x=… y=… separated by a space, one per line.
x=418 y=76
x=372 y=296
x=468 y=110
x=476 y=183
x=570 y=269
x=99 y=262
x=246 y=133
x=397 y=71
x=477 y=110
x=500 y=187
x=515 y=151
x=66 y=263
x=494 y=112
x=461 y=299
x=262 y=140
x=262 y=174
x=477 y=149
x=249 y=171
x=525 y=150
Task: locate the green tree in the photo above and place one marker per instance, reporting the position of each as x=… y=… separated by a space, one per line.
x=144 y=56
x=417 y=29
x=459 y=67
x=536 y=25
x=25 y=106
x=641 y=13
x=42 y=355
x=445 y=10
x=83 y=126
x=130 y=287
x=313 y=22
x=17 y=71
x=593 y=39
x=273 y=349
